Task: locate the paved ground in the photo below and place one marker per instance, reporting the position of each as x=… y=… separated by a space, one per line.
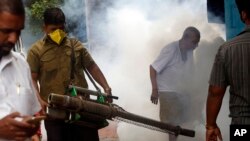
x=109 y=133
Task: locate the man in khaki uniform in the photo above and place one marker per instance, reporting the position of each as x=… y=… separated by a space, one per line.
x=50 y=60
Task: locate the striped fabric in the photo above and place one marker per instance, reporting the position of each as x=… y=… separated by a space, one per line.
x=232 y=68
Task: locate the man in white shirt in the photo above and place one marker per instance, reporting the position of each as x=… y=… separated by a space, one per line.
x=18 y=99
x=167 y=73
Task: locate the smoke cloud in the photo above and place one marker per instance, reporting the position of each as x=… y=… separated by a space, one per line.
x=126 y=36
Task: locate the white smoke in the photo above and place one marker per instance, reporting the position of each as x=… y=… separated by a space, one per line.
x=130 y=36
x=75 y=18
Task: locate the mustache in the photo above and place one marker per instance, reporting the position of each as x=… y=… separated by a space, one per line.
x=5 y=48
x=8 y=45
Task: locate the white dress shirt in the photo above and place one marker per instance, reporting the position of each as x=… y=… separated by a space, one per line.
x=17 y=93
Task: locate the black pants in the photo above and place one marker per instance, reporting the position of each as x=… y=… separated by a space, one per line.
x=61 y=131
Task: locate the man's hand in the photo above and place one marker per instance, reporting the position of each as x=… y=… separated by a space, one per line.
x=109 y=93
x=154 y=96
x=12 y=129
x=213 y=134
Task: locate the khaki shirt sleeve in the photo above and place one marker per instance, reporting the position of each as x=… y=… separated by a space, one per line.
x=87 y=59
x=33 y=60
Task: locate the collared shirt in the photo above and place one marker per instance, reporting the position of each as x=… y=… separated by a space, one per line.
x=52 y=63
x=17 y=93
x=232 y=68
x=171 y=68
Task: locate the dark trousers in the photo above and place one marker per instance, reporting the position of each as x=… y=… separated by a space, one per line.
x=61 y=131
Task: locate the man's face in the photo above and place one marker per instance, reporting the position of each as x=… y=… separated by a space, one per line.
x=50 y=28
x=192 y=41
x=10 y=30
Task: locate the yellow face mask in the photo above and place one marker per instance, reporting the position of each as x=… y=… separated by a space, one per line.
x=57 y=36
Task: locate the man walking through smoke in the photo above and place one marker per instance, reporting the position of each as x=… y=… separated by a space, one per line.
x=166 y=74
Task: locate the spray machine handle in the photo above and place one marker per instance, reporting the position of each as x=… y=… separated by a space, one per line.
x=187 y=132
x=92 y=92
x=111 y=96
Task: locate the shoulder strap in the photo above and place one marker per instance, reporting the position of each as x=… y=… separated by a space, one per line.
x=73 y=68
x=73 y=61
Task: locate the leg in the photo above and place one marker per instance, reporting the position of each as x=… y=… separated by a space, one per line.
x=170 y=108
x=81 y=133
x=55 y=130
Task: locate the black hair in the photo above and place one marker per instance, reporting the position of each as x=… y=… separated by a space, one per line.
x=12 y=6
x=53 y=16
x=243 y=5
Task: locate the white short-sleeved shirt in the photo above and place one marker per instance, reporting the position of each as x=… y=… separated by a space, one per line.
x=17 y=93
x=170 y=67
